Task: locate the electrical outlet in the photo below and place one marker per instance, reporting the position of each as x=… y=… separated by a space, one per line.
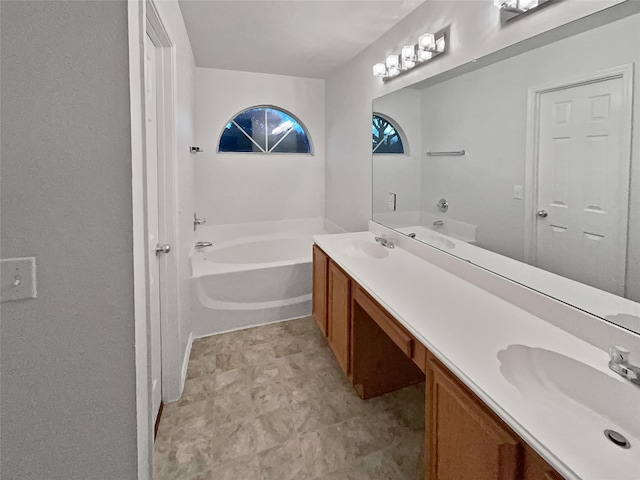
x=518 y=192
x=17 y=278
x=391 y=201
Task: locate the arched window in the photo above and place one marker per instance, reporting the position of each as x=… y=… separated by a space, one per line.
x=386 y=136
x=264 y=130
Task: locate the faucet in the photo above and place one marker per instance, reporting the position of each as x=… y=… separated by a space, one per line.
x=619 y=363
x=438 y=223
x=385 y=242
x=200 y=245
x=198 y=221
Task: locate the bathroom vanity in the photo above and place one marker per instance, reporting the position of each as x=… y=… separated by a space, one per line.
x=393 y=319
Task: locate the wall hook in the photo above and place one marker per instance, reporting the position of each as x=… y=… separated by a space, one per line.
x=195 y=150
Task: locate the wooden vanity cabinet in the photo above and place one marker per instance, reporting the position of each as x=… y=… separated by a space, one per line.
x=384 y=355
x=465 y=441
x=320 y=288
x=535 y=468
x=339 y=315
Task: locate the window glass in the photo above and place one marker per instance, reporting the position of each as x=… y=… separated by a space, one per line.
x=264 y=130
x=386 y=138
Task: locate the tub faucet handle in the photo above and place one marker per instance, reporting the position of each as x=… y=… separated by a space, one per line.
x=198 y=221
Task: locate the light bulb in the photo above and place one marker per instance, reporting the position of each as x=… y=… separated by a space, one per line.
x=427 y=42
x=393 y=61
x=380 y=70
x=510 y=4
x=527 y=4
x=424 y=55
x=409 y=53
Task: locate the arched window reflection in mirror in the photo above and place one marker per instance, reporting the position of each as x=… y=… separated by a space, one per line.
x=386 y=136
x=264 y=130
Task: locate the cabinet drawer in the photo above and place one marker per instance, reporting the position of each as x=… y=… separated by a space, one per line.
x=389 y=325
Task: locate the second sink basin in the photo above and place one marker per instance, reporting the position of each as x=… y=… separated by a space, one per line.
x=584 y=392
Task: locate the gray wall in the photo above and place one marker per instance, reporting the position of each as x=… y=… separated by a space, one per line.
x=68 y=373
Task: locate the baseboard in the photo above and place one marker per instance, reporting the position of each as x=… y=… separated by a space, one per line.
x=185 y=363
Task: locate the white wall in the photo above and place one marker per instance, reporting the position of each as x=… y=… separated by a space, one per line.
x=475 y=32
x=180 y=330
x=68 y=390
x=485 y=113
x=399 y=174
x=243 y=188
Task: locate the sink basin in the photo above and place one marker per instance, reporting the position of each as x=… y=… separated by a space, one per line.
x=437 y=241
x=578 y=392
x=364 y=248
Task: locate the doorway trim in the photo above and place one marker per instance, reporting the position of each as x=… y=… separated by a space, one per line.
x=624 y=72
x=143 y=18
x=168 y=203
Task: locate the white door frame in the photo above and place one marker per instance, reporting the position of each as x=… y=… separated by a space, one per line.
x=144 y=18
x=624 y=72
x=168 y=205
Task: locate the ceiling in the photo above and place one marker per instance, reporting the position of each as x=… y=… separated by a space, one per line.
x=303 y=38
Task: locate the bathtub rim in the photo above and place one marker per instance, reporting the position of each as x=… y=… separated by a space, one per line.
x=200 y=267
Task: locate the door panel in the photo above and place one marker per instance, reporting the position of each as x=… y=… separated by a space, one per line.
x=339 y=324
x=464 y=441
x=583 y=184
x=152 y=217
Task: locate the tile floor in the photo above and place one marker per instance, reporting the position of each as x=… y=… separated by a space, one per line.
x=271 y=403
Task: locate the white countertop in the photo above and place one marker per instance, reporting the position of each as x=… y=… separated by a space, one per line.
x=466 y=327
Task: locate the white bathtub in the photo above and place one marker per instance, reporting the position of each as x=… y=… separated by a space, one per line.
x=252 y=276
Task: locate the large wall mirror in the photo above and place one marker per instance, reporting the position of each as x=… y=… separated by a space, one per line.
x=527 y=163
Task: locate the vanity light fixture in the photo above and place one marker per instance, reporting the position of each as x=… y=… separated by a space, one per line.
x=512 y=9
x=393 y=65
x=408 y=57
x=428 y=47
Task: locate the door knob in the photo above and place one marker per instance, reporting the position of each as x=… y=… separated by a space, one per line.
x=163 y=249
x=542 y=213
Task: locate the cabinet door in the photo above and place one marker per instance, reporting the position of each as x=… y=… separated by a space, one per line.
x=464 y=441
x=339 y=321
x=320 y=286
x=536 y=468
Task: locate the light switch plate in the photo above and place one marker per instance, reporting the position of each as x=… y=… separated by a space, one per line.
x=17 y=278
x=518 y=192
x=391 y=201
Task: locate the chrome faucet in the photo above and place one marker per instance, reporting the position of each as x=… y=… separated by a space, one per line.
x=438 y=223
x=619 y=363
x=200 y=245
x=198 y=221
x=385 y=242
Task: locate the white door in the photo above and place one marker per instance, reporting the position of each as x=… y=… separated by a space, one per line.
x=583 y=184
x=153 y=279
